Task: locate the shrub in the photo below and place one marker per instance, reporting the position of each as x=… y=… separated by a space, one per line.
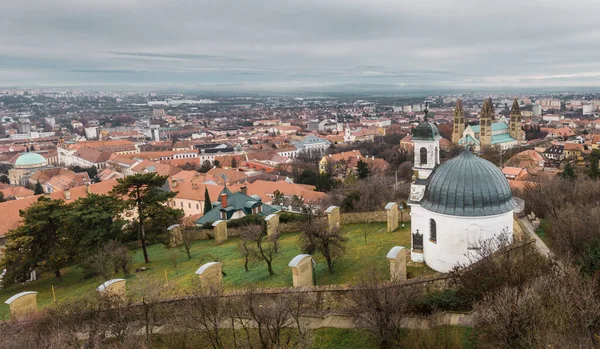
x=246 y=220
x=289 y=217
x=446 y=300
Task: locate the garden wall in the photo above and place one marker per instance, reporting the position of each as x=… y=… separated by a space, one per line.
x=371 y=217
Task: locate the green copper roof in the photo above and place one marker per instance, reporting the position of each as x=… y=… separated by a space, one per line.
x=29 y=159
x=468 y=186
x=425 y=131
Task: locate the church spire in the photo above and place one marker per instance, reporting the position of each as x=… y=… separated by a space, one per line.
x=515 y=122
x=515 y=108
x=458 y=123
x=488 y=108
x=485 y=122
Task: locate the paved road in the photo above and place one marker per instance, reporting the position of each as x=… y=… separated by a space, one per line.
x=539 y=244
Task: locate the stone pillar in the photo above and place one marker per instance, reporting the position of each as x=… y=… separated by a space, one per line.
x=113 y=288
x=175 y=237
x=333 y=217
x=272 y=223
x=220 y=228
x=211 y=276
x=392 y=216
x=22 y=304
x=302 y=270
x=397 y=259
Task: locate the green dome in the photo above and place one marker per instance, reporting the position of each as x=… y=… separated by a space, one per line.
x=468 y=186
x=30 y=159
x=426 y=131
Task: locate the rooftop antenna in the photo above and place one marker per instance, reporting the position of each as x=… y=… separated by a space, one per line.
x=426 y=111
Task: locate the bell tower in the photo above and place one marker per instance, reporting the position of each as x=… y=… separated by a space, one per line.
x=485 y=122
x=458 y=125
x=515 y=122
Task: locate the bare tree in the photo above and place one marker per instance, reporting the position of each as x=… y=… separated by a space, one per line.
x=496 y=263
x=379 y=307
x=148 y=293
x=270 y=316
x=121 y=256
x=317 y=237
x=205 y=311
x=248 y=236
x=266 y=245
x=185 y=236
x=556 y=310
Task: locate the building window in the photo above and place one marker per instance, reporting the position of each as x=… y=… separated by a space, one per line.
x=423 y=153
x=223 y=215
x=197 y=206
x=181 y=204
x=189 y=205
x=432 y=230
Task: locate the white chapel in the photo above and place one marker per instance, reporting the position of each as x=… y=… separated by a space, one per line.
x=456 y=205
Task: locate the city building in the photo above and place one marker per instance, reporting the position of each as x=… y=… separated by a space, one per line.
x=312 y=144
x=25 y=165
x=236 y=205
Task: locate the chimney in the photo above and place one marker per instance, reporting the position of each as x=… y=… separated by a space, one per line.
x=68 y=194
x=244 y=189
x=223 y=200
x=88 y=188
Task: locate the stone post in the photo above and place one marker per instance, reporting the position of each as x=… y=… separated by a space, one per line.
x=22 y=304
x=392 y=216
x=113 y=288
x=333 y=217
x=220 y=228
x=272 y=223
x=211 y=276
x=175 y=237
x=302 y=270
x=397 y=259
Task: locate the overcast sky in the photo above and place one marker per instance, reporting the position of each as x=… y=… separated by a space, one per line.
x=438 y=43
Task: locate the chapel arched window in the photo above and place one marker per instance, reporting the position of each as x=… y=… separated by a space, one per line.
x=423 y=156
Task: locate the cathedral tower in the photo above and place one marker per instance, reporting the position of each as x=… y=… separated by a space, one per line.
x=485 y=122
x=458 y=126
x=515 y=122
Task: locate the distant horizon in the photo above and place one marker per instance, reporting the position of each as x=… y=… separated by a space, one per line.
x=230 y=88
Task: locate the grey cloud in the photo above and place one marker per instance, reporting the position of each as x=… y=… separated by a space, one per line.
x=461 y=42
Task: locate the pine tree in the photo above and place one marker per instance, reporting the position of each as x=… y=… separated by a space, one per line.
x=143 y=192
x=38 y=189
x=207 y=202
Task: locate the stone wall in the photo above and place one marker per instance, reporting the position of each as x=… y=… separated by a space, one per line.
x=374 y=216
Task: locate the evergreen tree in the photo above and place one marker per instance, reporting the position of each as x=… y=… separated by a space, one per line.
x=363 y=169
x=205 y=167
x=40 y=243
x=143 y=193
x=4 y=179
x=37 y=190
x=594 y=159
x=93 y=221
x=207 y=203
x=568 y=171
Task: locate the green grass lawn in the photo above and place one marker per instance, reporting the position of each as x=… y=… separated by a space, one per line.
x=448 y=337
x=359 y=256
x=542 y=232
